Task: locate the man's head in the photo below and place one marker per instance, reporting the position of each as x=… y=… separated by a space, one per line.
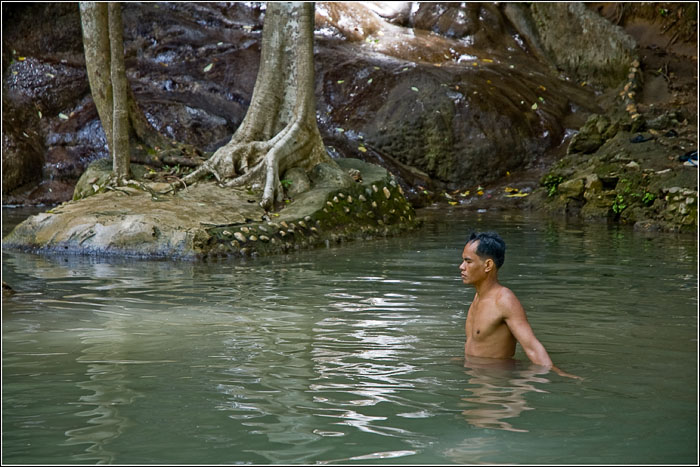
x=483 y=255
x=490 y=245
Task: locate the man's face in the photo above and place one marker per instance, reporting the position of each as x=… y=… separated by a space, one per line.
x=472 y=267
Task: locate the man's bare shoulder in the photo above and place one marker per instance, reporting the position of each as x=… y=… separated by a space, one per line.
x=508 y=302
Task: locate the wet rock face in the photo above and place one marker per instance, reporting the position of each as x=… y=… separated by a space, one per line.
x=459 y=105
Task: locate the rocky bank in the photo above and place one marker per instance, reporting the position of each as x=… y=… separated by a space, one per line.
x=481 y=105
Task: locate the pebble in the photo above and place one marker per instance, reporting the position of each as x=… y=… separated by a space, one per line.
x=240 y=237
x=387 y=193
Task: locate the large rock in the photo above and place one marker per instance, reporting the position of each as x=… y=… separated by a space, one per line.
x=583 y=43
x=206 y=220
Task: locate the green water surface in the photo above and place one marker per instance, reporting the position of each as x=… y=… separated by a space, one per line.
x=352 y=354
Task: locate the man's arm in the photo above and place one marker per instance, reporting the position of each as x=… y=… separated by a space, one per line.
x=516 y=320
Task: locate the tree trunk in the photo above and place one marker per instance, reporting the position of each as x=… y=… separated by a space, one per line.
x=120 y=121
x=104 y=59
x=95 y=25
x=279 y=130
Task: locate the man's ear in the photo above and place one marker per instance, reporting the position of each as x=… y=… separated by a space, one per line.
x=489 y=265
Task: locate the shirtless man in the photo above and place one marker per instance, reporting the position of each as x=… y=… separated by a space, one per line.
x=496 y=319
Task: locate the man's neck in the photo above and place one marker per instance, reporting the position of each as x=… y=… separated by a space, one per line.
x=485 y=286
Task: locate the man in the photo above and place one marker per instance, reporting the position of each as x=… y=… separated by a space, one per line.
x=496 y=319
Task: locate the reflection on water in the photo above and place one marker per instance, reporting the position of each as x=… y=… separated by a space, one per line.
x=346 y=355
x=497 y=391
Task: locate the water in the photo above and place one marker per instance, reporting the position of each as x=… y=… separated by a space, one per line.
x=352 y=354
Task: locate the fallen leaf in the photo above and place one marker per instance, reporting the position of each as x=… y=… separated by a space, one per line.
x=509 y=189
x=413 y=88
x=63 y=116
x=369 y=81
x=480 y=193
x=517 y=195
x=453 y=203
x=466 y=193
x=21 y=59
x=339 y=130
x=487 y=60
x=543 y=88
x=534 y=106
x=39 y=111
x=362 y=149
x=341 y=81
x=208 y=67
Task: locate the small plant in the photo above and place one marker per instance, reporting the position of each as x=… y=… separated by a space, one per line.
x=286 y=183
x=648 y=198
x=619 y=204
x=551 y=182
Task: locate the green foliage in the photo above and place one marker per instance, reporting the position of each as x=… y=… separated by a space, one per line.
x=619 y=204
x=648 y=198
x=551 y=182
x=286 y=183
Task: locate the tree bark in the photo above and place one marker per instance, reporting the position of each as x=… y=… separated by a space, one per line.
x=279 y=130
x=95 y=26
x=120 y=120
x=123 y=121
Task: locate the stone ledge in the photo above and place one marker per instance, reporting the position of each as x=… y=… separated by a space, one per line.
x=209 y=221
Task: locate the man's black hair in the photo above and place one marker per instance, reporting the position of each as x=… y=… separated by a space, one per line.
x=491 y=245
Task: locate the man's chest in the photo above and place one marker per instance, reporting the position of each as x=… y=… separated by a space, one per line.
x=482 y=321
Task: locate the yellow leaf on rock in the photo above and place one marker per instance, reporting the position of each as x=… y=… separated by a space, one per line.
x=517 y=195
x=362 y=149
x=453 y=203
